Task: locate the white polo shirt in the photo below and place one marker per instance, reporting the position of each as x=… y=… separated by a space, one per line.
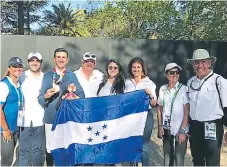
x=165 y=100
x=33 y=110
x=90 y=86
x=204 y=103
x=144 y=83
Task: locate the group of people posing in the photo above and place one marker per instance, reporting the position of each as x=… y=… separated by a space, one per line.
x=30 y=99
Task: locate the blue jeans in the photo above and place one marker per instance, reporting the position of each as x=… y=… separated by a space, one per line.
x=146 y=138
x=7 y=150
x=32 y=146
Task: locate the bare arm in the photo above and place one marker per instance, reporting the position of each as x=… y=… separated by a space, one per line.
x=4 y=125
x=153 y=102
x=159 y=114
x=159 y=117
x=186 y=115
x=182 y=135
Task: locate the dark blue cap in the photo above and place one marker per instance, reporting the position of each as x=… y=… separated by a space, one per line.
x=15 y=61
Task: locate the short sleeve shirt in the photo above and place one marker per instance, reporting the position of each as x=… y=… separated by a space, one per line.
x=5 y=90
x=165 y=100
x=204 y=102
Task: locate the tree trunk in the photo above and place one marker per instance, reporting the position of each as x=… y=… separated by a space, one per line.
x=20 y=6
x=28 y=21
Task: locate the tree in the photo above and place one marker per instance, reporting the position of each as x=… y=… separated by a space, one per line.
x=204 y=20
x=177 y=20
x=64 y=21
x=17 y=13
x=131 y=19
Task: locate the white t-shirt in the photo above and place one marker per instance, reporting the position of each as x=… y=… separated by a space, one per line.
x=90 y=87
x=33 y=110
x=106 y=89
x=165 y=100
x=205 y=103
x=5 y=90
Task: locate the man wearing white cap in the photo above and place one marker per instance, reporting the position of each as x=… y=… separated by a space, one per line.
x=88 y=77
x=32 y=143
x=207 y=92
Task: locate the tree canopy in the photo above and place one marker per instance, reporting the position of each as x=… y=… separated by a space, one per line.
x=170 y=20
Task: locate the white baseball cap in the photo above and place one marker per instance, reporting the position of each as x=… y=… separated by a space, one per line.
x=171 y=66
x=89 y=55
x=35 y=55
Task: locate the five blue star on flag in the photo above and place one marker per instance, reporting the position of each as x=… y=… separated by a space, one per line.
x=89 y=128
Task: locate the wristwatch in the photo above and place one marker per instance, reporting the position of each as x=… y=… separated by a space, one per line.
x=182 y=130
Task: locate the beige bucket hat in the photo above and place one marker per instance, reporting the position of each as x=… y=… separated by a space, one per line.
x=201 y=54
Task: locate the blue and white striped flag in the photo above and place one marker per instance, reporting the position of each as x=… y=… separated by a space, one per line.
x=102 y=130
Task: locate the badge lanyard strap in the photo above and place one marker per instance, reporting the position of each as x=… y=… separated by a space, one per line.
x=55 y=74
x=20 y=98
x=173 y=99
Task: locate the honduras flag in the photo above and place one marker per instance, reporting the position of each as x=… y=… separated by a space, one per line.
x=100 y=130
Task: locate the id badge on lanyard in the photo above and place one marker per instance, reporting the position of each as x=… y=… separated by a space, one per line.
x=20 y=118
x=167 y=122
x=210 y=130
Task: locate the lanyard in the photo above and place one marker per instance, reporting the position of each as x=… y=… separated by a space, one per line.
x=20 y=98
x=174 y=96
x=199 y=88
x=55 y=76
x=173 y=99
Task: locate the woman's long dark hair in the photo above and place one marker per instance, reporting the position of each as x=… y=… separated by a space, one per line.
x=140 y=61
x=118 y=86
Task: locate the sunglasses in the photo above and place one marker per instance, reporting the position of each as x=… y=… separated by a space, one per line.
x=90 y=56
x=111 y=68
x=174 y=72
x=17 y=66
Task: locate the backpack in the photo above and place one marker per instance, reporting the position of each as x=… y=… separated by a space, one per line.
x=224 y=118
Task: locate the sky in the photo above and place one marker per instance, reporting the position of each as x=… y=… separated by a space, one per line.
x=74 y=4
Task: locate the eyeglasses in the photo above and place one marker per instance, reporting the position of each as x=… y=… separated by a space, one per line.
x=111 y=68
x=89 y=56
x=174 y=72
x=17 y=66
